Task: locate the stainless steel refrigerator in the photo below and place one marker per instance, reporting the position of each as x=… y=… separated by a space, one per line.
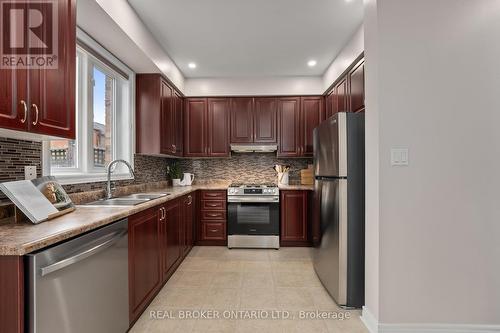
x=339 y=171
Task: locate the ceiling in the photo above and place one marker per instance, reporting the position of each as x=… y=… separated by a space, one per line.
x=251 y=38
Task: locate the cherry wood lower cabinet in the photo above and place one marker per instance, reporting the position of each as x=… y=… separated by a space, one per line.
x=170 y=237
x=144 y=251
x=294 y=218
x=11 y=294
x=188 y=218
x=212 y=221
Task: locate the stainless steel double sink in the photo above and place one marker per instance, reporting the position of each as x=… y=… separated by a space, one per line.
x=128 y=200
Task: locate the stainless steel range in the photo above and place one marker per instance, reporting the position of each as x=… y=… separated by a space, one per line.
x=253 y=216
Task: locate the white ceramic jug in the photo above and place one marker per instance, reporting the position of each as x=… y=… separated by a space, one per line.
x=188 y=179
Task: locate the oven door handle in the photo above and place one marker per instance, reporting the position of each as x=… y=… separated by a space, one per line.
x=253 y=199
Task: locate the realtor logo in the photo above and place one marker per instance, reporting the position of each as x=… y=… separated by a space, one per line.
x=28 y=33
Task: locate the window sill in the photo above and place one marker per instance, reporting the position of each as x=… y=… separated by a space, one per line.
x=81 y=178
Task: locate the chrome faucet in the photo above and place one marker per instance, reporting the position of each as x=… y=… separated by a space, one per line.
x=110 y=169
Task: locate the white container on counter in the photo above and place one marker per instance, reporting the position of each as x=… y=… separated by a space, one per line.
x=283 y=178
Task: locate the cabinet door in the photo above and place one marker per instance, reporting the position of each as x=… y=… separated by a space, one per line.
x=171 y=236
x=289 y=129
x=188 y=218
x=13 y=99
x=167 y=120
x=265 y=119
x=312 y=115
x=357 y=87
x=144 y=260
x=52 y=91
x=341 y=97
x=179 y=124
x=218 y=127
x=195 y=127
x=329 y=101
x=241 y=115
x=293 y=216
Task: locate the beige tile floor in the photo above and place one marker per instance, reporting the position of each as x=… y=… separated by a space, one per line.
x=273 y=283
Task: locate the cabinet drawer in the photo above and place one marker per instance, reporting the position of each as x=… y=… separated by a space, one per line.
x=213 y=205
x=213 y=195
x=213 y=230
x=213 y=215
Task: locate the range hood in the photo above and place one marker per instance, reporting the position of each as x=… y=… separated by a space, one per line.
x=254 y=148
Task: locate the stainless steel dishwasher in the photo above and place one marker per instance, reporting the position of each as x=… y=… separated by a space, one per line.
x=81 y=285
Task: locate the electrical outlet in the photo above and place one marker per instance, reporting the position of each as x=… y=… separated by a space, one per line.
x=29 y=172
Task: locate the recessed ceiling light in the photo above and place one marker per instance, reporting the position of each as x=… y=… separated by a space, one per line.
x=192 y=65
x=311 y=63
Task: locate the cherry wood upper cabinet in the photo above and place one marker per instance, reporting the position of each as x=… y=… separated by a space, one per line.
x=356 y=77
x=144 y=253
x=179 y=123
x=312 y=114
x=265 y=119
x=167 y=120
x=341 y=96
x=289 y=127
x=13 y=99
x=241 y=120
x=42 y=100
x=218 y=127
x=294 y=225
x=195 y=127
x=158 y=116
x=52 y=91
x=329 y=104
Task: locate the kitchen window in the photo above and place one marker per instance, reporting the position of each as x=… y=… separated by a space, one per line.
x=105 y=119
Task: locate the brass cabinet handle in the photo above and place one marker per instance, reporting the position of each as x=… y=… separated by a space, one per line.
x=214 y=215
x=214 y=230
x=25 y=109
x=190 y=200
x=36 y=114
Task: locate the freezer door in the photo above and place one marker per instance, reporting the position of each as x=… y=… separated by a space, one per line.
x=330 y=147
x=330 y=257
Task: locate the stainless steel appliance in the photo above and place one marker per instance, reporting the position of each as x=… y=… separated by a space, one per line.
x=339 y=170
x=253 y=216
x=81 y=285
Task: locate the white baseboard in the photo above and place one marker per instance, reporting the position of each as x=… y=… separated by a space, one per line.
x=369 y=320
x=375 y=327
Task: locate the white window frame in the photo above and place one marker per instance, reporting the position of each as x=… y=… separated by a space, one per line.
x=124 y=96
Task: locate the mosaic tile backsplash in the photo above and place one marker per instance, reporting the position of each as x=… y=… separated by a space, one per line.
x=248 y=168
x=244 y=168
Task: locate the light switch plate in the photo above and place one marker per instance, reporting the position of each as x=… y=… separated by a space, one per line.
x=29 y=172
x=399 y=156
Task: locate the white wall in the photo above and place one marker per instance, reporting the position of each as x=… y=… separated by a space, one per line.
x=344 y=59
x=439 y=220
x=302 y=85
x=126 y=18
x=372 y=162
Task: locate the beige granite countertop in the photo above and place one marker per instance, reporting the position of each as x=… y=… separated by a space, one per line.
x=297 y=187
x=22 y=238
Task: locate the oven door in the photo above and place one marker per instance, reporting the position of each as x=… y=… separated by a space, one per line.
x=253 y=218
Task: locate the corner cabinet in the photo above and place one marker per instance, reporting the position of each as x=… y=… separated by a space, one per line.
x=42 y=100
x=158 y=116
x=294 y=218
x=298 y=116
x=206 y=127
